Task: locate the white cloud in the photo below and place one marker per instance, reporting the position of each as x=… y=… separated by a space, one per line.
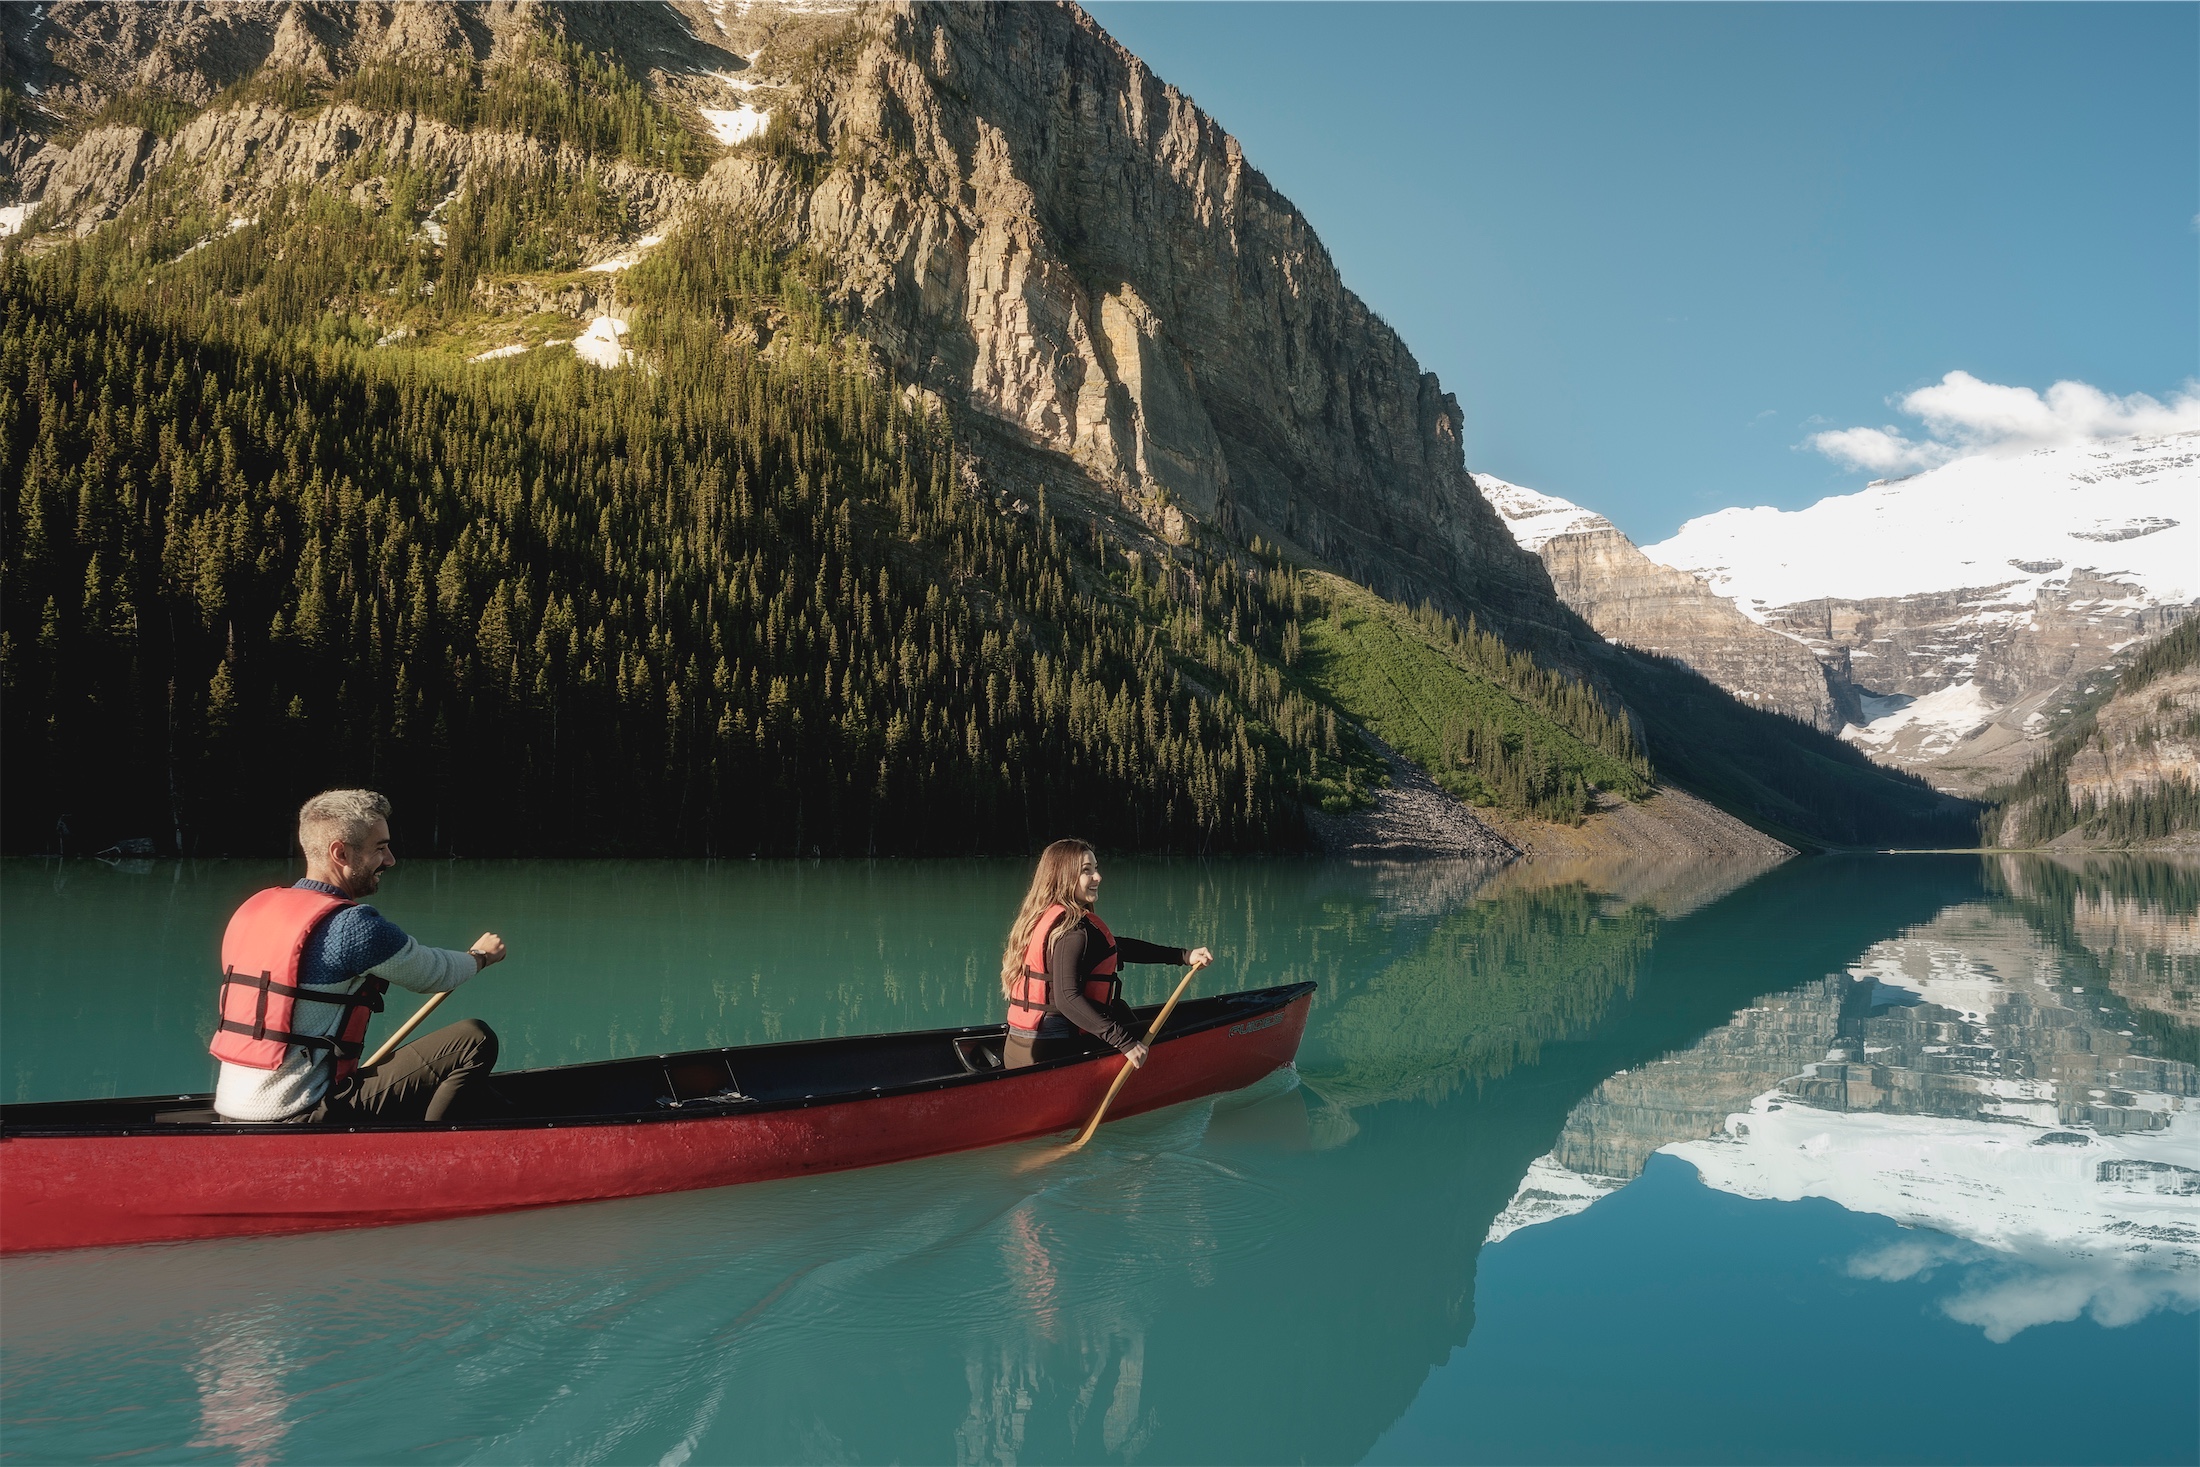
x=2007 y=1306
x=1964 y=415
x=1908 y=1257
x=1880 y=450
x=2005 y=1294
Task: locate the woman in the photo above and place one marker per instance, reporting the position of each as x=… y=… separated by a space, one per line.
x=1058 y=971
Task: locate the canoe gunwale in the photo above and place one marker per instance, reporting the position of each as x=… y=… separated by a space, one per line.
x=1230 y=1008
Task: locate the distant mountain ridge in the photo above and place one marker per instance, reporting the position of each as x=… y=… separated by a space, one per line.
x=1956 y=615
x=1637 y=602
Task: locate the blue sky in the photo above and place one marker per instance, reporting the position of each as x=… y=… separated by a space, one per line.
x=1655 y=248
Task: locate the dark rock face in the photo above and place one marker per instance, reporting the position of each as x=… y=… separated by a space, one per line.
x=1031 y=223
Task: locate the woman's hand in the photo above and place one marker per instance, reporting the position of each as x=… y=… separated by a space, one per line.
x=1199 y=957
x=1136 y=1054
x=487 y=949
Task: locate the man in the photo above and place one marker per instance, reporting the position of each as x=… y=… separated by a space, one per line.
x=304 y=969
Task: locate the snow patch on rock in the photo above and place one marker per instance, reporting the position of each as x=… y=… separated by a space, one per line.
x=632 y=257
x=600 y=343
x=1934 y=723
x=736 y=124
x=1536 y=518
x=1547 y=1193
x=432 y=226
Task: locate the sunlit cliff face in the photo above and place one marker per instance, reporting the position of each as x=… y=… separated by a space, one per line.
x=1970 y=1077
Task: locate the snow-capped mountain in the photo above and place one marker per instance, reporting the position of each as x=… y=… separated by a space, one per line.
x=1954 y=612
x=1536 y=518
x=2127 y=511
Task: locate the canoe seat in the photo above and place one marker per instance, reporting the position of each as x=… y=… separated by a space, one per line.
x=707 y=1080
x=978 y=1054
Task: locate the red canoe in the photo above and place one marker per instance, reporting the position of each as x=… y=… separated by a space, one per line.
x=77 y=1174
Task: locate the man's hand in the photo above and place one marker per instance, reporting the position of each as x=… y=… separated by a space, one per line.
x=488 y=948
x=1136 y=1054
x=1199 y=957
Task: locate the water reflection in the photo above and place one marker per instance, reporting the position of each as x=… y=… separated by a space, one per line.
x=243 y=1403
x=1272 y=1276
x=1982 y=1074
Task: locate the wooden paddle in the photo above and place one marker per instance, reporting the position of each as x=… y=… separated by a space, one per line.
x=1125 y=1073
x=389 y=1045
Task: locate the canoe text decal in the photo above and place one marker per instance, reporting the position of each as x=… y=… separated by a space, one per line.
x=1254 y=1026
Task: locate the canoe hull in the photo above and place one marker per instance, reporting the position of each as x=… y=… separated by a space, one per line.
x=101 y=1190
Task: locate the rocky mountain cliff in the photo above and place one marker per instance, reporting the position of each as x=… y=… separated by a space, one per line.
x=1027 y=220
x=1014 y=209
x=1020 y=216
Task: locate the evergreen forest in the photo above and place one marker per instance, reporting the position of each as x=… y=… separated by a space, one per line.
x=726 y=600
x=2041 y=796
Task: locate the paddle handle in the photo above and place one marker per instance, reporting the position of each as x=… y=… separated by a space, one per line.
x=1125 y=1073
x=389 y=1045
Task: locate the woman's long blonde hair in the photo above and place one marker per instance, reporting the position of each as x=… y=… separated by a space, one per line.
x=1055 y=881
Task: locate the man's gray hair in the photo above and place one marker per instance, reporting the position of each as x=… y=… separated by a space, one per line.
x=332 y=815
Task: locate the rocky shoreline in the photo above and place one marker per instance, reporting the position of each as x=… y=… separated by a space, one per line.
x=1414 y=820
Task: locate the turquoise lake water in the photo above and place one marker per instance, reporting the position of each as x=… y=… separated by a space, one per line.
x=1855 y=1160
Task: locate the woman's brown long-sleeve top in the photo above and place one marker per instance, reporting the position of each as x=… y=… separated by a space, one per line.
x=1069 y=958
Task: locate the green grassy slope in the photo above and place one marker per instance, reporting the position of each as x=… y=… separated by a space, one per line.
x=1490 y=727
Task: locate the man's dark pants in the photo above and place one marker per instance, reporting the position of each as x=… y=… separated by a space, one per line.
x=426 y=1080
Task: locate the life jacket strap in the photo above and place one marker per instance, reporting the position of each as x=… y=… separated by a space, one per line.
x=1046 y=986
x=344 y=1048
x=367 y=996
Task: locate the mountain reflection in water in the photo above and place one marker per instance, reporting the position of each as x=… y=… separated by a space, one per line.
x=1271 y=1276
x=1972 y=1075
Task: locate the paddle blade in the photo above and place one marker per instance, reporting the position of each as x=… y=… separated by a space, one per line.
x=1123 y=1074
x=1106 y=1101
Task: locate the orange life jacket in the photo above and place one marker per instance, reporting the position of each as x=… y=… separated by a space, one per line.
x=1029 y=999
x=260 y=990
